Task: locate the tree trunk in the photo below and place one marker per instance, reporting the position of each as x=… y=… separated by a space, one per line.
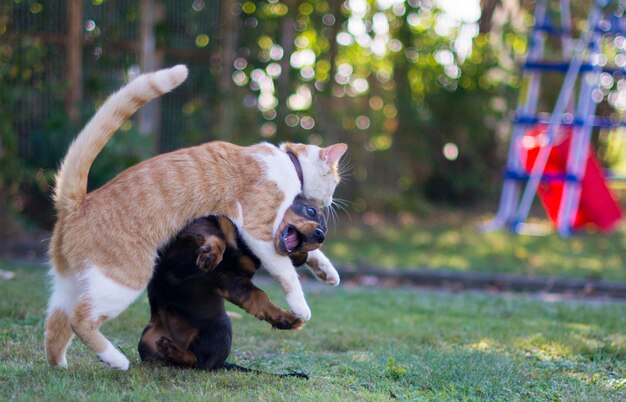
x=149 y=117
x=74 y=58
x=487 y=9
x=329 y=102
x=287 y=37
x=224 y=111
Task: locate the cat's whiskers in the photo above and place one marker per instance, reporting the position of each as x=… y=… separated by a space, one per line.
x=345 y=206
x=345 y=168
x=338 y=205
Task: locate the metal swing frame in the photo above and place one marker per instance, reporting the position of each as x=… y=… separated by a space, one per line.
x=581 y=64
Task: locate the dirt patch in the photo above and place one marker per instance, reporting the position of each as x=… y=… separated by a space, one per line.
x=460 y=281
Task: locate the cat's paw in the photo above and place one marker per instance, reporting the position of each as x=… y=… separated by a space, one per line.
x=298 y=307
x=328 y=273
x=114 y=358
x=322 y=268
x=332 y=279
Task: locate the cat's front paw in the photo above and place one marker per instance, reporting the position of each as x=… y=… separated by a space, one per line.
x=332 y=279
x=300 y=310
x=322 y=268
x=327 y=273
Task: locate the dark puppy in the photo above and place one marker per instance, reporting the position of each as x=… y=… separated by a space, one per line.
x=188 y=325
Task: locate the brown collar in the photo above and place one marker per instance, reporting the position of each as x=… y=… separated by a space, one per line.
x=296 y=164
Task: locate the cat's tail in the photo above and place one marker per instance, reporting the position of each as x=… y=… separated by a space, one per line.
x=71 y=179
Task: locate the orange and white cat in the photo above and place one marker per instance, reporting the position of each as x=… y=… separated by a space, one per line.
x=104 y=242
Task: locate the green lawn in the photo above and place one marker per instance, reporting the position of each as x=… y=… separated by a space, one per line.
x=451 y=241
x=362 y=344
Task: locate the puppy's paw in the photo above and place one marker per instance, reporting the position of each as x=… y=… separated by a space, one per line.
x=298 y=325
x=288 y=321
x=167 y=347
x=208 y=258
x=175 y=354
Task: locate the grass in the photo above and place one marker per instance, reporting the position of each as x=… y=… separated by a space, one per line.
x=362 y=344
x=450 y=240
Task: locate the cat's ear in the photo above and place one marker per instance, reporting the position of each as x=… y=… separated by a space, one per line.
x=333 y=153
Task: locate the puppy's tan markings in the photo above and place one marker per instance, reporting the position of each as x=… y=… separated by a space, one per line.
x=229 y=231
x=247 y=265
x=168 y=337
x=174 y=352
x=210 y=253
x=152 y=334
x=183 y=333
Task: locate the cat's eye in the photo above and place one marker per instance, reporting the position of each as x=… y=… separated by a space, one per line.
x=311 y=212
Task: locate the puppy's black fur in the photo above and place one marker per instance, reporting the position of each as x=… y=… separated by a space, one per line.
x=206 y=263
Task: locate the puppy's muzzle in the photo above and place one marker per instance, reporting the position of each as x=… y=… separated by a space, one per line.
x=319 y=236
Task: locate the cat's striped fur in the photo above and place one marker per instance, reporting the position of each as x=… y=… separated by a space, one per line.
x=104 y=242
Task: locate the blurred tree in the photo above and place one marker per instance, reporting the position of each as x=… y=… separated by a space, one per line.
x=421 y=90
x=398 y=80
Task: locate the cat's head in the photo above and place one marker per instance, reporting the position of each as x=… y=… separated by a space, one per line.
x=320 y=169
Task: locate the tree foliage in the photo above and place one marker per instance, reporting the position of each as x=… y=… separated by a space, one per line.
x=419 y=94
x=400 y=81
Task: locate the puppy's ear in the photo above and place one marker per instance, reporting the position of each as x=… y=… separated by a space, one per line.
x=333 y=153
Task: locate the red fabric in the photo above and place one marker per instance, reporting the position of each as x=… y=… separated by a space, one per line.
x=597 y=205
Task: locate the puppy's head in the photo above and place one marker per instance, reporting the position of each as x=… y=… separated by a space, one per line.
x=303 y=228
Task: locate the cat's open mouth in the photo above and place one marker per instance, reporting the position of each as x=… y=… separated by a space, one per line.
x=291 y=239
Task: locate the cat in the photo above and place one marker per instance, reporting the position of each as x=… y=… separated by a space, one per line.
x=104 y=243
x=206 y=263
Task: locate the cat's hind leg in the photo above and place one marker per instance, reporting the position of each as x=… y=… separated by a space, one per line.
x=58 y=335
x=101 y=299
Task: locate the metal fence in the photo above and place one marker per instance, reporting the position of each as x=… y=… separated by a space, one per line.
x=61 y=58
